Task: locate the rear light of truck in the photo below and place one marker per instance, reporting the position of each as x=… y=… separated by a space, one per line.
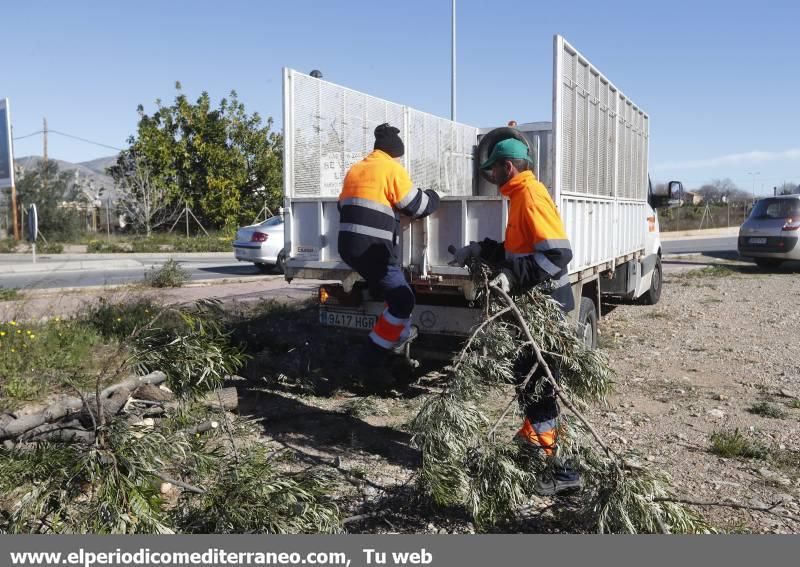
x=259 y=237
x=335 y=295
x=791 y=224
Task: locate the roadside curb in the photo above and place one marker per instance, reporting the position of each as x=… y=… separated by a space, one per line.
x=139 y=286
x=69 y=266
x=699 y=234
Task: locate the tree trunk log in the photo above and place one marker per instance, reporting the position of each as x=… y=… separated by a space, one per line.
x=70 y=406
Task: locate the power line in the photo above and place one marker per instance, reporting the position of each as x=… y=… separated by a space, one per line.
x=69 y=136
x=85 y=140
x=28 y=135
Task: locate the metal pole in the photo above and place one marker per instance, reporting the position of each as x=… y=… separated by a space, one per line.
x=108 y=220
x=453 y=64
x=15 y=220
x=186 y=206
x=14 y=214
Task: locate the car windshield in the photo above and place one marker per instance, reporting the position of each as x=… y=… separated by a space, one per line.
x=272 y=221
x=776 y=209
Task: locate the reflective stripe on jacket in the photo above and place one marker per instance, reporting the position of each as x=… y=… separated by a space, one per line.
x=376 y=191
x=536 y=244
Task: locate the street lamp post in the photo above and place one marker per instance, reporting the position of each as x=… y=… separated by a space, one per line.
x=453 y=62
x=753 y=188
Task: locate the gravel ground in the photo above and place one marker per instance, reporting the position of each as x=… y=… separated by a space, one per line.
x=721 y=340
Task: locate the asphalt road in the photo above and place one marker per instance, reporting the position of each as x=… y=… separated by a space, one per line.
x=198 y=269
x=208 y=268
x=701 y=245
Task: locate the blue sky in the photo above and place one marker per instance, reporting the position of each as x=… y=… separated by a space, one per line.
x=719 y=80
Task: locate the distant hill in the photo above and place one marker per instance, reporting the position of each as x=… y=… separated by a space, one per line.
x=93 y=171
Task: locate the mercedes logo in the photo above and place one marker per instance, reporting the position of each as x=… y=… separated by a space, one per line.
x=427 y=319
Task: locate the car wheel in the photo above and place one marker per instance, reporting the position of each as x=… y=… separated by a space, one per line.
x=280 y=266
x=264 y=268
x=587 y=323
x=768 y=263
x=652 y=295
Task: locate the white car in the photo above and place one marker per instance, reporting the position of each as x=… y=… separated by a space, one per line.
x=262 y=244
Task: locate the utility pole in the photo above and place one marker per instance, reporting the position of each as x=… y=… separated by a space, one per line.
x=14 y=216
x=44 y=158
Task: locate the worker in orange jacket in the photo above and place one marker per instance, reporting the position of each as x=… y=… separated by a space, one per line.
x=536 y=251
x=376 y=191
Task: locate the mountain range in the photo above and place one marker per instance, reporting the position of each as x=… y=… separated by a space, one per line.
x=91 y=173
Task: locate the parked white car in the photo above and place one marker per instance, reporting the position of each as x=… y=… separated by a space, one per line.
x=262 y=244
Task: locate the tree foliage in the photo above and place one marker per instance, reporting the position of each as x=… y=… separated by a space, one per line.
x=48 y=188
x=722 y=191
x=222 y=161
x=466 y=464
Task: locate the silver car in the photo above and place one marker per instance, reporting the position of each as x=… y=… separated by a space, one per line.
x=770 y=233
x=262 y=244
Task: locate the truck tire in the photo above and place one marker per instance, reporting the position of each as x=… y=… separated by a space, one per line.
x=768 y=263
x=652 y=295
x=280 y=266
x=587 y=323
x=489 y=140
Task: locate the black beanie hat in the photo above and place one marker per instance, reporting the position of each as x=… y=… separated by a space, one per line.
x=387 y=140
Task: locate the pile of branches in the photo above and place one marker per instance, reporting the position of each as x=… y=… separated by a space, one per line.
x=160 y=450
x=465 y=462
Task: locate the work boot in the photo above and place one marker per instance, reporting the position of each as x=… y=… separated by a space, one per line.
x=562 y=478
x=413 y=333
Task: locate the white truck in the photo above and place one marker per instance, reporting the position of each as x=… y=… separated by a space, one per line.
x=592 y=156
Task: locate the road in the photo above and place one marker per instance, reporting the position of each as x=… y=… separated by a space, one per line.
x=702 y=245
x=216 y=267
x=198 y=268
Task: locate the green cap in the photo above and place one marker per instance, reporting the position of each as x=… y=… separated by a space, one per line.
x=510 y=148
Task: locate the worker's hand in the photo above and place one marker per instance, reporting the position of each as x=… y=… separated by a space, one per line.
x=505 y=280
x=463 y=255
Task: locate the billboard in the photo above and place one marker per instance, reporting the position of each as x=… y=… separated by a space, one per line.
x=6 y=157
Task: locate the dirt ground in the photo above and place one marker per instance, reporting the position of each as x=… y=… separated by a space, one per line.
x=721 y=340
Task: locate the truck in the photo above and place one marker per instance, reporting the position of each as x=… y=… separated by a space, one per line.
x=592 y=155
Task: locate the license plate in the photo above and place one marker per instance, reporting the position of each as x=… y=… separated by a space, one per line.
x=758 y=241
x=348 y=320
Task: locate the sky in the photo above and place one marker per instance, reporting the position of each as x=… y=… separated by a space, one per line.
x=719 y=80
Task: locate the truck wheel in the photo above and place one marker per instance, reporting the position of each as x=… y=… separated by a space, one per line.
x=263 y=268
x=280 y=266
x=587 y=323
x=652 y=295
x=768 y=263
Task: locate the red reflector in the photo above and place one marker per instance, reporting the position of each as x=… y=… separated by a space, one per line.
x=259 y=237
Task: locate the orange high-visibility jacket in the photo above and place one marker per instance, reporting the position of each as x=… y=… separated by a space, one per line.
x=376 y=191
x=536 y=245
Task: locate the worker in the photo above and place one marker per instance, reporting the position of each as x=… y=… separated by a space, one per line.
x=375 y=192
x=536 y=251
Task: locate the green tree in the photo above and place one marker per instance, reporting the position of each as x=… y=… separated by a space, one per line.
x=55 y=195
x=223 y=162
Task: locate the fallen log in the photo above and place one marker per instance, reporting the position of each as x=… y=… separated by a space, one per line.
x=225 y=398
x=152 y=393
x=202 y=427
x=70 y=406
